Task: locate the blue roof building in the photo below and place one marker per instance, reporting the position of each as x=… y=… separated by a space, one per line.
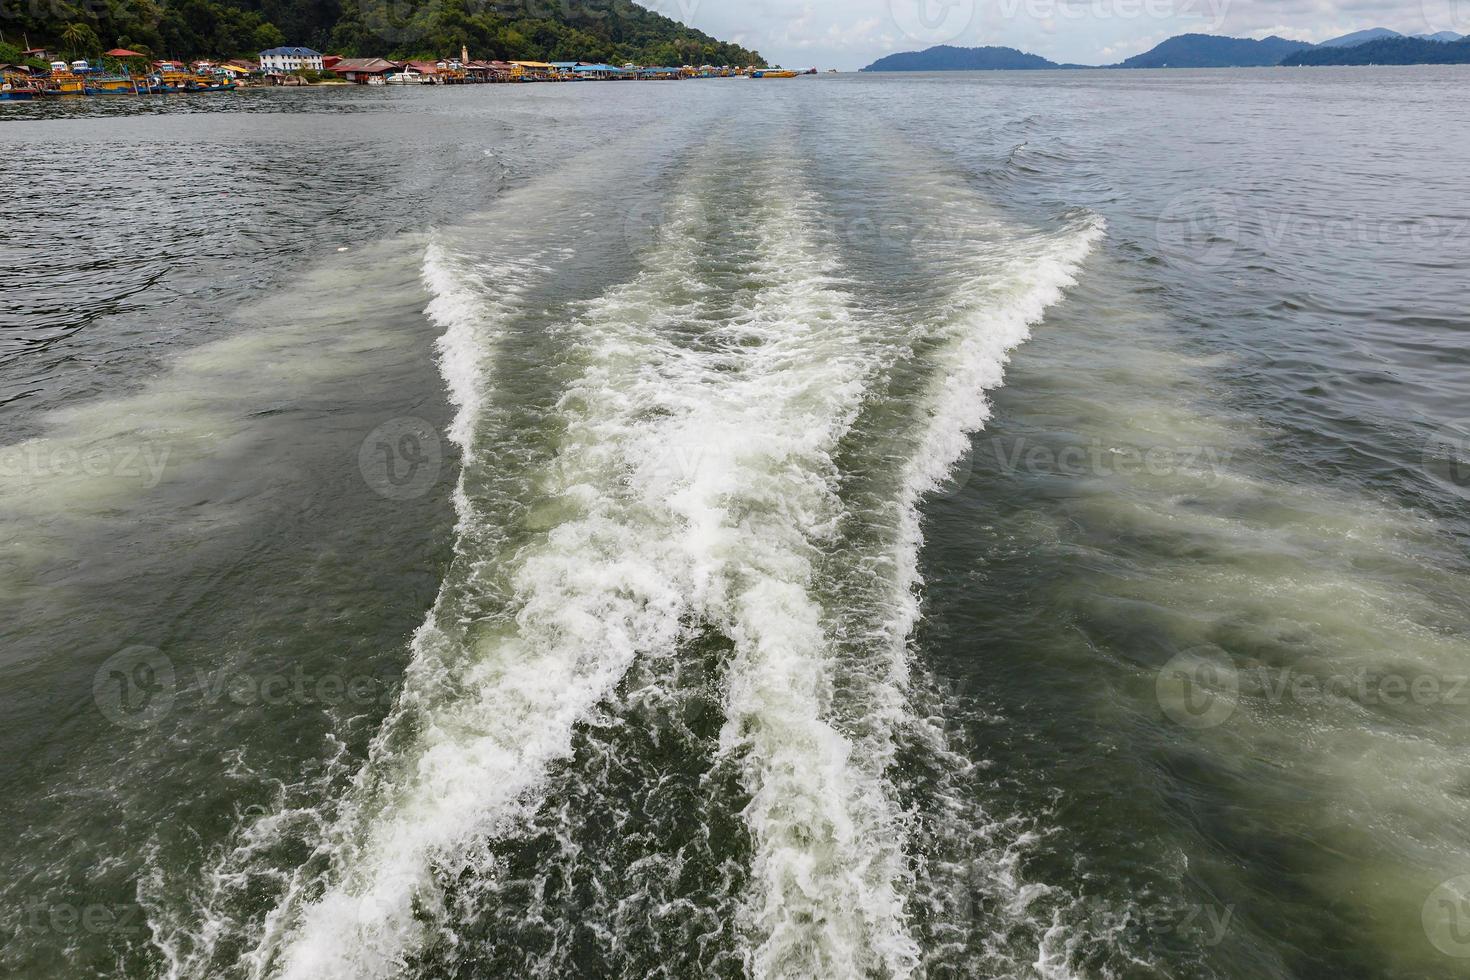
x=286 y=59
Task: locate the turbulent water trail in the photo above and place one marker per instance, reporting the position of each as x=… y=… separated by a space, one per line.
x=987 y=317
x=827 y=869
x=683 y=480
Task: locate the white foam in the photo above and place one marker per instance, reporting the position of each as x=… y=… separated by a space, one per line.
x=996 y=281
x=693 y=481
x=487 y=707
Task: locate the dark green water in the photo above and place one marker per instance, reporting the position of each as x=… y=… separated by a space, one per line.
x=1004 y=525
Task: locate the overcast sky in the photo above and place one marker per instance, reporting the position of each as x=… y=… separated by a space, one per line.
x=849 y=34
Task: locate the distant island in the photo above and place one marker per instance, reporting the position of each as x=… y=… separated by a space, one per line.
x=1376 y=46
x=946 y=58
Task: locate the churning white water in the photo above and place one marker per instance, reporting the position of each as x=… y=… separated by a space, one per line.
x=687 y=480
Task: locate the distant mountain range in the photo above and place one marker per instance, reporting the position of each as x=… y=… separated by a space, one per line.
x=1380 y=33
x=1396 y=50
x=1359 y=37
x=1376 y=46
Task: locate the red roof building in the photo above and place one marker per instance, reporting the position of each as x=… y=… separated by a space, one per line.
x=361 y=70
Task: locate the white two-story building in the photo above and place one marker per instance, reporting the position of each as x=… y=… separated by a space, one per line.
x=279 y=60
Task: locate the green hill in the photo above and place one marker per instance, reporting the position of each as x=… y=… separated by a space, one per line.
x=614 y=31
x=1387 y=51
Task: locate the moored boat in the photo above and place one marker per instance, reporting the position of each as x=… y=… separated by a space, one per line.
x=17 y=91
x=65 y=82
x=97 y=83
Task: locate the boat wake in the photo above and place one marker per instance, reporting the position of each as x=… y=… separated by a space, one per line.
x=655 y=721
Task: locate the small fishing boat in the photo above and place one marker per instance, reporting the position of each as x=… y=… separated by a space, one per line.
x=17 y=90
x=66 y=82
x=773 y=73
x=98 y=83
x=173 y=78
x=214 y=83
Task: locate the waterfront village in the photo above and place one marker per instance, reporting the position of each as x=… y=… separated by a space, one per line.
x=124 y=72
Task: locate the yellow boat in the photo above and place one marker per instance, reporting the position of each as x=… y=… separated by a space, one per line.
x=67 y=83
x=774 y=73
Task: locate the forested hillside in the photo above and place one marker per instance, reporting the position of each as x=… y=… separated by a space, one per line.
x=1388 y=51
x=615 y=31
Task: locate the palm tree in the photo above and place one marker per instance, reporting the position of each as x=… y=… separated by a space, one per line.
x=79 y=38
